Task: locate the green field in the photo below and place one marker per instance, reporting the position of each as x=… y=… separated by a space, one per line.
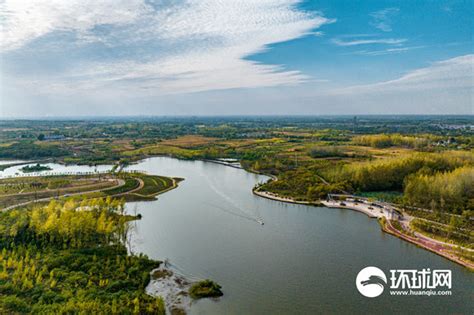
x=154 y=185
x=130 y=184
x=14 y=191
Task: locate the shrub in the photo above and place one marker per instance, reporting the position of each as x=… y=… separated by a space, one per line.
x=205 y=288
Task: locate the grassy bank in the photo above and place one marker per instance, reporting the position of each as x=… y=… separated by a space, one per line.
x=445 y=233
x=135 y=186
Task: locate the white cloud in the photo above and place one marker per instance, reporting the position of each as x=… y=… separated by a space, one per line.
x=25 y=20
x=388 y=41
x=202 y=45
x=382 y=19
x=444 y=87
x=318 y=34
x=447 y=75
x=387 y=51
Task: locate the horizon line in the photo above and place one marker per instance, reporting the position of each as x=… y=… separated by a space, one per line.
x=90 y=117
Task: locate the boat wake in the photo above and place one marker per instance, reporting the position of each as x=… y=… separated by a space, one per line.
x=239 y=211
x=240 y=215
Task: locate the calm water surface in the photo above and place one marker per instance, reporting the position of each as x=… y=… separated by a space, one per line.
x=55 y=169
x=304 y=260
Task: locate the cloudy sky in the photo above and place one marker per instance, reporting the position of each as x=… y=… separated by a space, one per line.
x=213 y=57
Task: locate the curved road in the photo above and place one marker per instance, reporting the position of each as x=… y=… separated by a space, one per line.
x=121 y=183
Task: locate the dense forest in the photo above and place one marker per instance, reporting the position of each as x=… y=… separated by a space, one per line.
x=390 y=173
x=442 y=191
x=30 y=150
x=392 y=140
x=430 y=180
x=70 y=256
x=427 y=180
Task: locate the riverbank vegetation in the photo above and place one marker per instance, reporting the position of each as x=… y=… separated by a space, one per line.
x=390 y=173
x=449 y=191
x=69 y=257
x=422 y=163
x=28 y=184
x=204 y=289
x=18 y=190
x=31 y=150
x=35 y=168
x=311 y=156
x=395 y=140
x=455 y=232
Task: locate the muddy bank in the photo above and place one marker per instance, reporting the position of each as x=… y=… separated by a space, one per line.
x=172 y=287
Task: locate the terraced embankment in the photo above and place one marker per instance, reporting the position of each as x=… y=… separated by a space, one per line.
x=22 y=191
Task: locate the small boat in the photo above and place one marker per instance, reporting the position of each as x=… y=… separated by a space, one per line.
x=261 y=222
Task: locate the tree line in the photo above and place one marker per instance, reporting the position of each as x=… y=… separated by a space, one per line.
x=391 y=140
x=390 y=173
x=443 y=191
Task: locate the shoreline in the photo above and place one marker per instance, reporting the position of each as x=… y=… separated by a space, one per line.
x=222 y=163
x=436 y=249
x=440 y=252
x=271 y=196
x=24 y=162
x=321 y=203
x=171 y=287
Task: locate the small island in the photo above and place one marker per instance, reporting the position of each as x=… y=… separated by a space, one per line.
x=35 y=168
x=204 y=289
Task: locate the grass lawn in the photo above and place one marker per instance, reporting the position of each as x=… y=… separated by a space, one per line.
x=154 y=184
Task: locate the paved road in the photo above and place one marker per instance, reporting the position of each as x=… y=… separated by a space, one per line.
x=443 y=249
x=439 y=247
x=121 y=183
x=140 y=186
x=375 y=212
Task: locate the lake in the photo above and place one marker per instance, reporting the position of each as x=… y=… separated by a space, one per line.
x=303 y=260
x=56 y=168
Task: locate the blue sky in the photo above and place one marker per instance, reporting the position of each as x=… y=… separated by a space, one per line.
x=431 y=31
x=150 y=57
